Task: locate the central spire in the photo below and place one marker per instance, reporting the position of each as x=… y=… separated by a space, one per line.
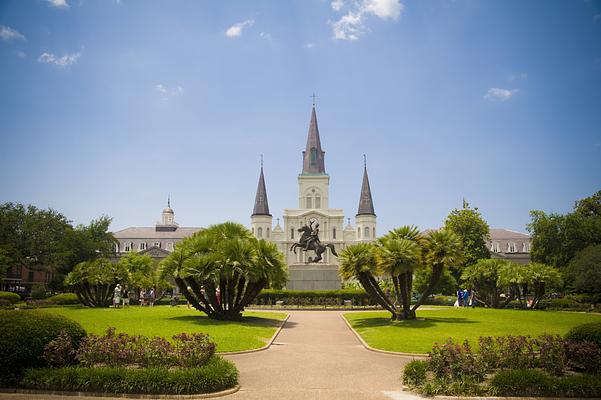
x=261 y=204
x=366 y=204
x=313 y=156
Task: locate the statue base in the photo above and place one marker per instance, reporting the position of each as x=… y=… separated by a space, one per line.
x=313 y=277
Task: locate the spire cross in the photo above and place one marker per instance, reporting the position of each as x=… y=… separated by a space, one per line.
x=261 y=161
x=169 y=200
x=364 y=161
x=314 y=97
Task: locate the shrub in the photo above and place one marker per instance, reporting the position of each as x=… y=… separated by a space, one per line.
x=23 y=336
x=414 y=373
x=38 y=291
x=532 y=382
x=63 y=299
x=9 y=297
x=451 y=361
x=565 y=303
x=313 y=297
x=120 y=350
x=218 y=374
x=552 y=356
x=583 y=356
x=60 y=351
x=590 y=332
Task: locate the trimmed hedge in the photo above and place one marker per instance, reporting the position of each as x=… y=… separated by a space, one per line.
x=218 y=374
x=590 y=332
x=9 y=297
x=532 y=382
x=314 y=297
x=63 y=299
x=23 y=335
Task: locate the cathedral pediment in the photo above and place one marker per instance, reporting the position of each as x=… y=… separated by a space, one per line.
x=155 y=252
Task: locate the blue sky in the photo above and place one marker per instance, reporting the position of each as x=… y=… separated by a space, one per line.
x=106 y=107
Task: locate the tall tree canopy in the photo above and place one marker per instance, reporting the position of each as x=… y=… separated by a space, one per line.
x=473 y=231
x=557 y=238
x=584 y=271
x=220 y=270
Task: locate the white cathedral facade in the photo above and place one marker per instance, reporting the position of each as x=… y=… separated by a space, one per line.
x=313 y=205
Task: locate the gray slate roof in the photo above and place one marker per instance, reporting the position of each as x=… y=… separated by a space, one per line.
x=366 y=204
x=144 y=232
x=261 y=203
x=313 y=156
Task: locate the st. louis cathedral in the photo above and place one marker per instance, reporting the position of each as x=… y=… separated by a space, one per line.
x=313 y=210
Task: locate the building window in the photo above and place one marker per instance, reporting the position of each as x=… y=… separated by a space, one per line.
x=525 y=247
x=128 y=247
x=116 y=247
x=267 y=233
x=142 y=246
x=170 y=246
x=358 y=233
x=259 y=232
x=30 y=276
x=253 y=231
x=317 y=202
x=374 y=232
x=309 y=203
x=366 y=232
x=291 y=233
x=313 y=156
x=333 y=233
x=511 y=247
x=157 y=244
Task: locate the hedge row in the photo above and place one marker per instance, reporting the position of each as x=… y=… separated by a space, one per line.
x=532 y=382
x=23 y=335
x=218 y=374
x=63 y=299
x=9 y=298
x=590 y=332
x=313 y=297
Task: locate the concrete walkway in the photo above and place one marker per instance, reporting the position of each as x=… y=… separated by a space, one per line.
x=316 y=356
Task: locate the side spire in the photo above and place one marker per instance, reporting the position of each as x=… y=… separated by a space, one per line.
x=261 y=203
x=366 y=204
x=313 y=156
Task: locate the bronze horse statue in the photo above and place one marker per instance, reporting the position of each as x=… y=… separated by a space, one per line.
x=310 y=241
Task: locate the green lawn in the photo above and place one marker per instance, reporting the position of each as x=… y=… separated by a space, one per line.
x=418 y=336
x=252 y=333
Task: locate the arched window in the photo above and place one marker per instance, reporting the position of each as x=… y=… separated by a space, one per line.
x=259 y=232
x=291 y=233
x=374 y=235
x=313 y=156
x=525 y=247
x=358 y=233
x=116 y=247
x=252 y=230
x=309 y=203
x=268 y=233
x=317 y=201
x=366 y=232
x=333 y=233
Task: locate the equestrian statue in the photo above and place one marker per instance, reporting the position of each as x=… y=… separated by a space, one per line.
x=309 y=240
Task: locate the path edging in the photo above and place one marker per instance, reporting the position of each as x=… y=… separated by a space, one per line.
x=124 y=395
x=368 y=347
x=268 y=345
x=507 y=398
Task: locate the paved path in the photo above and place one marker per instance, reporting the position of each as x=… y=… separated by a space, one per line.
x=316 y=356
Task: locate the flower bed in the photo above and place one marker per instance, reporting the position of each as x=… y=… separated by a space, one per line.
x=510 y=366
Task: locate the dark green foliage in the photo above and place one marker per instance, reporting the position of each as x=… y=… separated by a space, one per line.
x=583 y=356
x=218 y=374
x=414 y=373
x=23 y=335
x=452 y=361
x=38 y=291
x=447 y=285
x=63 y=299
x=565 y=303
x=590 y=332
x=10 y=297
x=94 y=281
x=584 y=270
x=532 y=382
x=314 y=297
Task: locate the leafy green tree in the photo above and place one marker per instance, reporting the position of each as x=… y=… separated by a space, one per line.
x=473 y=231
x=447 y=285
x=94 y=281
x=397 y=255
x=482 y=278
x=540 y=279
x=32 y=237
x=584 y=270
x=144 y=273
x=557 y=238
x=225 y=257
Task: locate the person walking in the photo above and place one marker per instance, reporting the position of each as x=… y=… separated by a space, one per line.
x=142 y=297
x=466 y=298
x=125 y=297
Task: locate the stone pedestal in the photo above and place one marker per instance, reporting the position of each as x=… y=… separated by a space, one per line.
x=313 y=277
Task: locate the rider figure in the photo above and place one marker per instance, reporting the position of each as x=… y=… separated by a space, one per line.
x=314 y=235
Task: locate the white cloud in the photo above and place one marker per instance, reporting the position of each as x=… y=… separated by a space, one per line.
x=337 y=5
x=64 y=61
x=235 y=30
x=265 y=35
x=7 y=33
x=352 y=25
x=309 y=45
x=21 y=54
x=519 y=77
x=499 y=94
x=59 y=3
x=167 y=92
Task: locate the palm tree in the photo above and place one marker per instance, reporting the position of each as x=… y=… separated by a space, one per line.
x=221 y=269
x=442 y=249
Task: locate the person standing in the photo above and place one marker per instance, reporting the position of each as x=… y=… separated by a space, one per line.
x=142 y=297
x=151 y=297
x=117 y=296
x=125 y=296
x=466 y=298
